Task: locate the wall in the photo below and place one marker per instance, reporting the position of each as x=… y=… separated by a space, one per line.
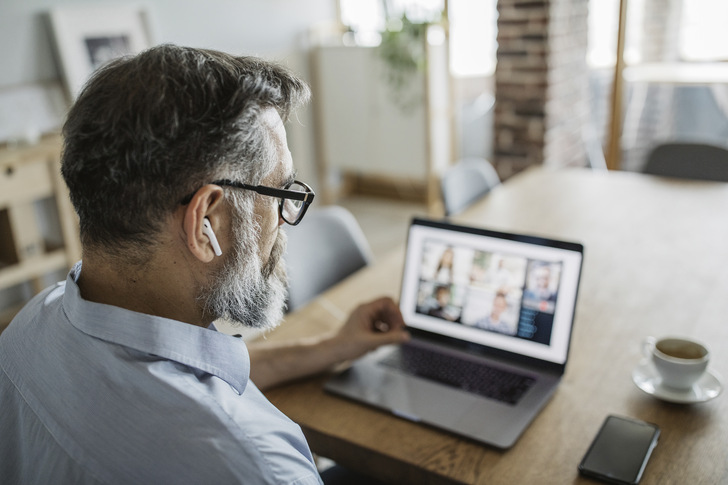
x=275 y=29
x=567 y=107
x=541 y=84
x=238 y=26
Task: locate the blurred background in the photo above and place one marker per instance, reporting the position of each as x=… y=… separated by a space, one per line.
x=402 y=90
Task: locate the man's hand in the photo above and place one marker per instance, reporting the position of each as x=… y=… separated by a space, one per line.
x=369 y=326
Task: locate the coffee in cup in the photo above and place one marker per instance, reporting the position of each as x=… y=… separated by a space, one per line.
x=680 y=362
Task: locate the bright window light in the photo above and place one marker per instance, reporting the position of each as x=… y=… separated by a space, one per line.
x=473 y=27
x=702 y=32
x=473 y=33
x=703 y=36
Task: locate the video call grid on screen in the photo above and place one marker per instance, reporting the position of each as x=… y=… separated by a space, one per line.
x=511 y=295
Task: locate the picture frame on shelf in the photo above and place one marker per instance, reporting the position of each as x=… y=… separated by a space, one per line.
x=86 y=37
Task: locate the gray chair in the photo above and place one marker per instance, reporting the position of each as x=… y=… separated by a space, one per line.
x=465 y=182
x=326 y=247
x=695 y=161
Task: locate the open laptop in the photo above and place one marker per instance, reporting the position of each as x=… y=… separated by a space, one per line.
x=491 y=319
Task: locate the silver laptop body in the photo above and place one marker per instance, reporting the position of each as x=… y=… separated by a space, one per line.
x=484 y=308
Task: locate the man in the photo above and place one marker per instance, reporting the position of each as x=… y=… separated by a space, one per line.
x=494 y=321
x=539 y=294
x=177 y=165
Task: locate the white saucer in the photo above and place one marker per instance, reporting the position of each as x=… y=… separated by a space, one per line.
x=646 y=378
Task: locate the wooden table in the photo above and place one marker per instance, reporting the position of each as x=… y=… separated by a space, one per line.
x=656 y=263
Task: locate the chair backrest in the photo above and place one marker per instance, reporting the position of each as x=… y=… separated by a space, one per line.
x=326 y=247
x=465 y=182
x=689 y=160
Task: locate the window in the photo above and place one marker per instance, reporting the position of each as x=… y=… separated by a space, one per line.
x=473 y=32
x=472 y=27
x=603 y=30
x=699 y=24
x=703 y=34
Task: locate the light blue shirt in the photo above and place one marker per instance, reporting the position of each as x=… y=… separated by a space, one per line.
x=92 y=393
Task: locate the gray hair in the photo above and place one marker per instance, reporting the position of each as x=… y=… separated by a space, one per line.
x=148 y=130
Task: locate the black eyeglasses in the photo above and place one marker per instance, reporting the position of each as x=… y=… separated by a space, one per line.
x=294 y=198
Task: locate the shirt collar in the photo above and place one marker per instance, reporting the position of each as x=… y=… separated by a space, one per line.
x=205 y=349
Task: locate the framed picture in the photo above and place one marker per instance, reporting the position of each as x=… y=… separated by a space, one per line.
x=88 y=36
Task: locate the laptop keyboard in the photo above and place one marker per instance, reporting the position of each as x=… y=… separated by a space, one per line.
x=474 y=377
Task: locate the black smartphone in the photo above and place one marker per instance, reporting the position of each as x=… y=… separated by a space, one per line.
x=620 y=451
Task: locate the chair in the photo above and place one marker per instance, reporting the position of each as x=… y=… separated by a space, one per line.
x=695 y=161
x=465 y=182
x=326 y=247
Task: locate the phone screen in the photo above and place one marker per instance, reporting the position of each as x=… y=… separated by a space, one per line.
x=620 y=451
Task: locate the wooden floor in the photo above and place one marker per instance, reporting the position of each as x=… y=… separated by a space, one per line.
x=384 y=221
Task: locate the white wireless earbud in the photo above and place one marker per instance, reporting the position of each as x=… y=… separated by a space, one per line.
x=207 y=231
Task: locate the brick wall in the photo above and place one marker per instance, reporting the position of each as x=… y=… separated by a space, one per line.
x=541 y=84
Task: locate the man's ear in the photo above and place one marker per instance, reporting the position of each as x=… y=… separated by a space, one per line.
x=202 y=219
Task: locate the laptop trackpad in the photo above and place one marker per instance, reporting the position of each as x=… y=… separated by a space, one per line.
x=413 y=399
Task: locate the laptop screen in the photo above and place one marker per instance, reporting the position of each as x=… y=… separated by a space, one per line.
x=511 y=292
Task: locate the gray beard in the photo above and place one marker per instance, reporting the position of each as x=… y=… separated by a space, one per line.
x=246 y=292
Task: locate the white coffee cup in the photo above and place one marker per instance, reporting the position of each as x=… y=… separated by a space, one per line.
x=679 y=361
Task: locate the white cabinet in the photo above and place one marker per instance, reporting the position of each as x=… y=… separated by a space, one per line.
x=364 y=131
